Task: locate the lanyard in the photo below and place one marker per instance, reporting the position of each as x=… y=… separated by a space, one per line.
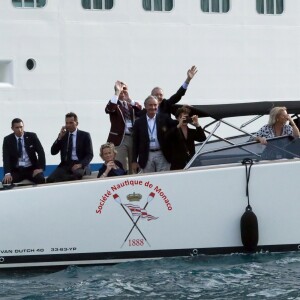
x=151 y=131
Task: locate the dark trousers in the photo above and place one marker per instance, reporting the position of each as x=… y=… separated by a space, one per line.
x=64 y=172
x=21 y=173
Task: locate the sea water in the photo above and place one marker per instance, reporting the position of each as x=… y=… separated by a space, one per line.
x=236 y=276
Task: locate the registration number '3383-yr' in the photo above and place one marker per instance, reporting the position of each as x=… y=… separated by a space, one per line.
x=63 y=249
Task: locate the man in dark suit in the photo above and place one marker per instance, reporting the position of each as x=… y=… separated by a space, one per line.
x=122 y=113
x=76 y=151
x=165 y=105
x=150 y=150
x=23 y=155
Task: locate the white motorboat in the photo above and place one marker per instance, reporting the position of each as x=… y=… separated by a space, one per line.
x=177 y=213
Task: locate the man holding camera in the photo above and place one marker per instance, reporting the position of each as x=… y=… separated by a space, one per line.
x=122 y=113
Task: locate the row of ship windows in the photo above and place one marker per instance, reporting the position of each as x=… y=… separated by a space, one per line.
x=207 y=6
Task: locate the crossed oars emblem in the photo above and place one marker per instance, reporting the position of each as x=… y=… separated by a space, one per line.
x=140 y=214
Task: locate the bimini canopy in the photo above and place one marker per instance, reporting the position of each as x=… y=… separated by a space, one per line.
x=220 y=111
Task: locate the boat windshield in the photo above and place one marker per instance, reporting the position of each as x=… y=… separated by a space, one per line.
x=277 y=148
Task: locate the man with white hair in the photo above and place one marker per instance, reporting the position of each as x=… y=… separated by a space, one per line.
x=150 y=150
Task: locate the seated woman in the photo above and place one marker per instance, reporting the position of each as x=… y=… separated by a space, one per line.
x=277 y=126
x=111 y=167
x=181 y=139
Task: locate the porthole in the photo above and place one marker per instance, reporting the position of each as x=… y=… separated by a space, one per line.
x=31 y=64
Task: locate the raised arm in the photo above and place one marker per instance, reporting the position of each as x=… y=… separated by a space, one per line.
x=296 y=132
x=181 y=92
x=190 y=74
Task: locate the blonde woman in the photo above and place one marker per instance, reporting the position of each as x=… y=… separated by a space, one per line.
x=111 y=166
x=277 y=126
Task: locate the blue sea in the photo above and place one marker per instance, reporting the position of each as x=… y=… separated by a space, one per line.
x=236 y=276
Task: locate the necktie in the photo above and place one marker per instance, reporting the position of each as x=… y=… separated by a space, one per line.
x=20 y=150
x=126 y=111
x=70 y=147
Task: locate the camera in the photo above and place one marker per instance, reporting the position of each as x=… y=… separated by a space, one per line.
x=188 y=120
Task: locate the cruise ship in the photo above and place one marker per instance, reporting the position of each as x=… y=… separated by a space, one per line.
x=58 y=56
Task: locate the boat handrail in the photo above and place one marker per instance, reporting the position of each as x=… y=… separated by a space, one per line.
x=251 y=121
x=272 y=151
x=204 y=143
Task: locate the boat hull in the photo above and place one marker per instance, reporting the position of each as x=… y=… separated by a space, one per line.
x=182 y=213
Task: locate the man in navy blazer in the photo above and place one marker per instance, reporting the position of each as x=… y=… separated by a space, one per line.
x=150 y=148
x=76 y=151
x=23 y=155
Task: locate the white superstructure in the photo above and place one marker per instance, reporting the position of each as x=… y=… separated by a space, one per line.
x=242 y=55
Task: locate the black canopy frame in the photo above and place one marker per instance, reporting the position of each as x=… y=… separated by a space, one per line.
x=221 y=111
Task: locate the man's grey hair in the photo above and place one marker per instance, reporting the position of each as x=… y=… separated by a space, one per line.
x=154 y=89
x=148 y=98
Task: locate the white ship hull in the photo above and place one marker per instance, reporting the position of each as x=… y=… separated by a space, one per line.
x=198 y=212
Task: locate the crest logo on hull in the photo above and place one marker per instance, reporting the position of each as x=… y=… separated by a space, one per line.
x=132 y=207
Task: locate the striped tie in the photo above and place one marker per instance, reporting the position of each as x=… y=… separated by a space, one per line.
x=126 y=111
